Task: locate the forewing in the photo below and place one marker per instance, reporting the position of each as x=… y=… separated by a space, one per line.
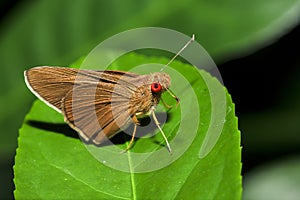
x=99 y=110
x=51 y=84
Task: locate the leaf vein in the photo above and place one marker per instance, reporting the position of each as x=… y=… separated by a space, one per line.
x=81 y=181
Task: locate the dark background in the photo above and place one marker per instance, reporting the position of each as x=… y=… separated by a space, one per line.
x=261 y=86
x=263 y=80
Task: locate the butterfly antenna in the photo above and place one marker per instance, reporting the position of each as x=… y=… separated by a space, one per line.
x=187 y=44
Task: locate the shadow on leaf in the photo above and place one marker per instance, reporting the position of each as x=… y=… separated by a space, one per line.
x=147 y=126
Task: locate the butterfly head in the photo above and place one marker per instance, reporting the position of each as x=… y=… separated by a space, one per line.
x=160 y=82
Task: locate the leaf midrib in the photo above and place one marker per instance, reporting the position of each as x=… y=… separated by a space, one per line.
x=132 y=180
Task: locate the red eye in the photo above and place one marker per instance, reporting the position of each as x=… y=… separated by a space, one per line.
x=156 y=87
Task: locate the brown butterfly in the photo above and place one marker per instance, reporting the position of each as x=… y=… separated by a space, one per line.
x=98 y=104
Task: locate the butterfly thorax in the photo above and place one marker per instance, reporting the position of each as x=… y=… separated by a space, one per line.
x=145 y=97
x=142 y=100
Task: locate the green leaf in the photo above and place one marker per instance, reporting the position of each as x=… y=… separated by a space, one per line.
x=53 y=163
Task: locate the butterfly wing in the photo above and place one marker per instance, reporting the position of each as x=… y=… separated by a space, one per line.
x=94 y=103
x=50 y=84
x=91 y=111
x=85 y=98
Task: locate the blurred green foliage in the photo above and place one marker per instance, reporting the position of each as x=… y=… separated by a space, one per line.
x=58 y=32
x=276 y=180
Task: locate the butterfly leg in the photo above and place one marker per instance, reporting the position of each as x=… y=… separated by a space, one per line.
x=135 y=119
x=175 y=97
x=132 y=139
x=157 y=124
x=165 y=104
x=136 y=123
